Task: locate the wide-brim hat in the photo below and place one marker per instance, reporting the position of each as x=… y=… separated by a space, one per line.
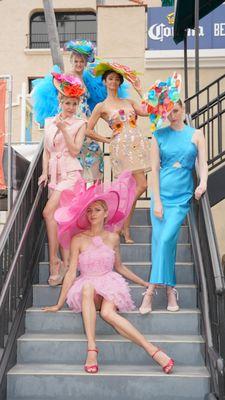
x=83 y=47
x=102 y=66
x=71 y=216
x=68 y=85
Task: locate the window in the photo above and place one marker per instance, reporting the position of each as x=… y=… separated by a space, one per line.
x=70 y=25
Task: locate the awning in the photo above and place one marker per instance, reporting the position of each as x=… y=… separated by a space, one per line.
x=185 y=15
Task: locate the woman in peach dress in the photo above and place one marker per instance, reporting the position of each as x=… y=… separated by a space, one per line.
x=64 y=136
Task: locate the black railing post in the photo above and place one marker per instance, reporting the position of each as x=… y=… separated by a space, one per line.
x=196 y=45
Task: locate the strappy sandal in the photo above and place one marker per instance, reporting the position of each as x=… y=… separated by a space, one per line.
x=146 y=305
x=57 y=279
x=91 y=369
x=127 y=238
x=168 y=368
x=171 y=290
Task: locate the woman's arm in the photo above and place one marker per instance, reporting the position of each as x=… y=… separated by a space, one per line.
x=155 y=162
x=69 y=277
x=139 y=109
x=203 y=166
x=137 y=86
x=73 y=146
x=95 y=116
x=45 y=162
x=121 y=269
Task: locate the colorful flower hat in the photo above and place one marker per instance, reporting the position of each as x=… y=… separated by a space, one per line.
x=84 y=47
x=161 y=98
x=68 y=85
x=71 y=215
x=103 y=66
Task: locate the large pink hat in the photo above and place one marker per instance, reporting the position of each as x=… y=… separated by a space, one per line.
x=71 y=215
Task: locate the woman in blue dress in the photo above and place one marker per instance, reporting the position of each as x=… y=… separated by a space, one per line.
x=173 y=154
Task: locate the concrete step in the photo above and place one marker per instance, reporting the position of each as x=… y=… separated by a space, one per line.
x=183 y=322
x=3 y=216
x=134 y=382
x=142 y=234
x=184 y=271
x=44 y=295
x=141 y=216
x=142 y=252
x=113 y=349
x=1 y=227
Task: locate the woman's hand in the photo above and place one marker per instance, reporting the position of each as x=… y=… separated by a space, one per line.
x=137 y=86
x=43 y=179
x=60 y=123
x=199 y=191
x=54 y=308
x=158 y=210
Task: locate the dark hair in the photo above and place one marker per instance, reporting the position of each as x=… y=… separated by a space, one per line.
x=180 y=103
x=110 y=71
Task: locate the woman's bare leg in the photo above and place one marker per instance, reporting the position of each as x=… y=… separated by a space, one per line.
x=109 y=314
x=51 y=226
x=141 y=186
x=89 y=318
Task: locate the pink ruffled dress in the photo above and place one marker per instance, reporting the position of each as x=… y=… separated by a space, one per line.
x=96 y=267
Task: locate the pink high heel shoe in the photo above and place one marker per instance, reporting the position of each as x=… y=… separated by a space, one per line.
x=91 y=369
x=168 y=368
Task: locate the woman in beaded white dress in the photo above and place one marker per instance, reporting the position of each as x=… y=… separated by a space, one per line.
x=129 y=148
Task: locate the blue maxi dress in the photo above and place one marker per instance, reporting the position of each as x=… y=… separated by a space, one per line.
x=177 y=159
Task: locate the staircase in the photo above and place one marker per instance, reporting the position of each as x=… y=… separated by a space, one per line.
x=51 y=353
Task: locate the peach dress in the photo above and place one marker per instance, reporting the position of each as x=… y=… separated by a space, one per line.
x=64 y=170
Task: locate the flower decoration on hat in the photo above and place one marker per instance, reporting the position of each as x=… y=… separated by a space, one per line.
x=68 y=85
x=130 y=74
x=160 y=99
x=84 y=47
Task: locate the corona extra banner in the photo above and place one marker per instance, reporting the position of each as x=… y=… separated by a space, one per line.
x=2 y=130
x=160 y=30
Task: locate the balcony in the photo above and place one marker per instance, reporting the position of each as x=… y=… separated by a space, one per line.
x=40 y=40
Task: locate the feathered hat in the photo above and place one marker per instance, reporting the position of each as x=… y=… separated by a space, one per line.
x=84 y=47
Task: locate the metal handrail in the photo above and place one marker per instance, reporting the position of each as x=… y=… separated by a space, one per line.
x=209 y=115
x=209 y=272
x=19 y=259
x=11 y=219
x=205 y=88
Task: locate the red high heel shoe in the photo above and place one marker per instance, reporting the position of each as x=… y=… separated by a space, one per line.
x=168 y=368
x=91 y=369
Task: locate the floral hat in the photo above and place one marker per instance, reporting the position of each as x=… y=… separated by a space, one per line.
x=84 y=47
x=68 y=85
x=71 y=215
x=160 y=99
x=99 y=69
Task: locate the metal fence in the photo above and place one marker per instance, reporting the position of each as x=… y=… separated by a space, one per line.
x=20 y=250
x=40 y=40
